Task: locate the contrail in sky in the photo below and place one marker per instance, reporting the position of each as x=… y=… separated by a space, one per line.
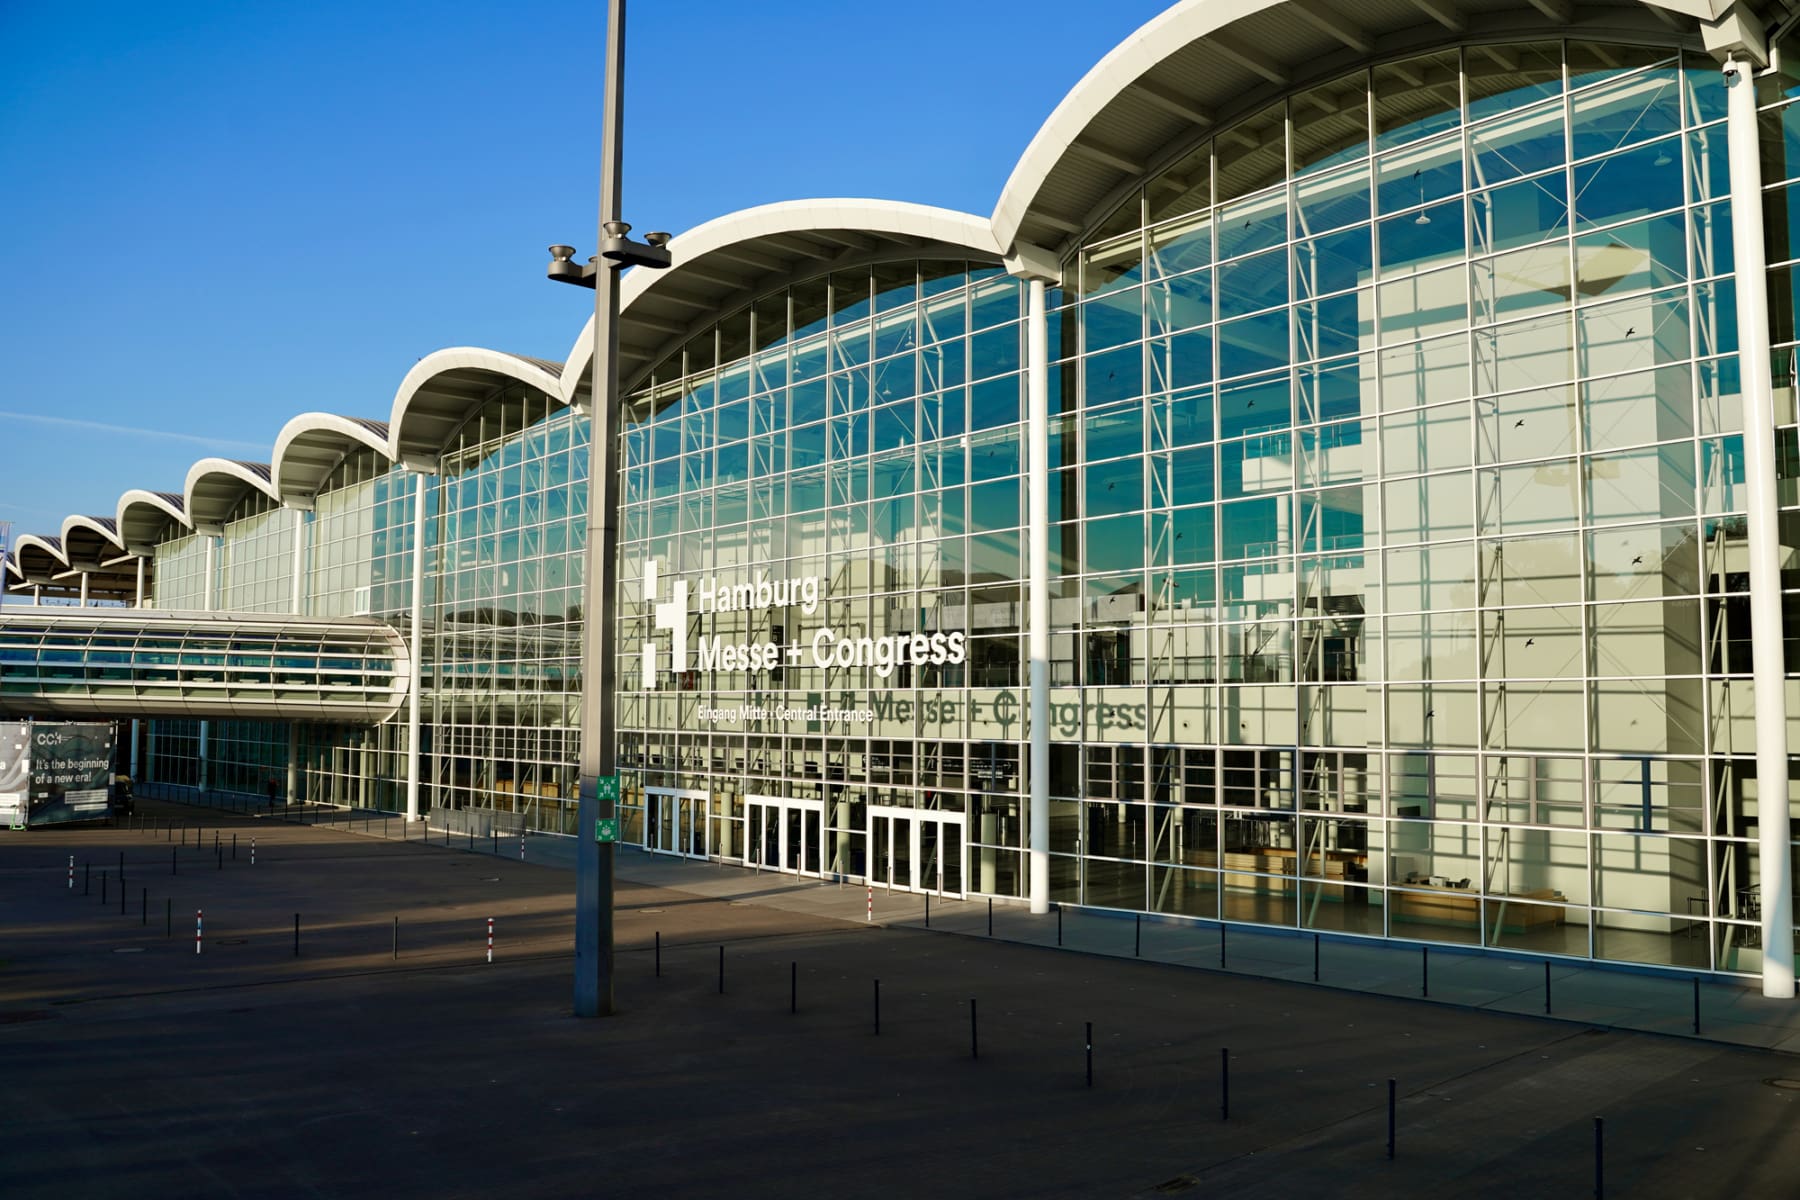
x=134 y=431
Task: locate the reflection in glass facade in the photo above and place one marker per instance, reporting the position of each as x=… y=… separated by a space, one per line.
x=1398 y=575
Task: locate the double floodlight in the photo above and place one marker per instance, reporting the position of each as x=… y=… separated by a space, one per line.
x=616 y=251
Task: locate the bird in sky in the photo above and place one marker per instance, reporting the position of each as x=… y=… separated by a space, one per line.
x=1519 y=422
x=1531 y=641
x=1638 y=560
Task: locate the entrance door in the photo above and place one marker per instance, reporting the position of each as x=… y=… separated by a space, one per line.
x=785 y=834
x=916 y=850
x=675 y=822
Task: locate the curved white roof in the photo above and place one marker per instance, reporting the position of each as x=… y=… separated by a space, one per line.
x=447 y=386
x=38 y=558
x=310 y=447
x=215 y=485
x=1207 y=61
x=730 y=259
x=143 y=515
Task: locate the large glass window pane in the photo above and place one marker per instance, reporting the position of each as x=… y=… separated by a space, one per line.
x=1253 y=344
x=1416 y=98
x=1637 y=485
x=1506 y=78
x=1253 y=284
x=1520 y=213
x=1330 y=123
x=1640 y=181
x=1522 y=144
x=1181 y=302
x=1634 y=109
x=1418 y=175
x=1334 y=263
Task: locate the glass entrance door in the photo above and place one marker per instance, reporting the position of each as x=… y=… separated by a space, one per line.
x=675 y=822
x=785 y=834
x=916 y=850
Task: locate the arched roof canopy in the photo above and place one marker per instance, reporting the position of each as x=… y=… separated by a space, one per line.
x=216 y=485
x=447 y=387
x=312 y=445
x=91 y=539
x=144 y=516
x=1204 y=64
x=39 y=558
x=731 y=260
x=91 y=544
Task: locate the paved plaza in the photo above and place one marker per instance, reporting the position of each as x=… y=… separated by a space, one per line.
x=372 y=1056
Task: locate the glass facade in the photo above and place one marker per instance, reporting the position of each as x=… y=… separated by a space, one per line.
x=1398 y=565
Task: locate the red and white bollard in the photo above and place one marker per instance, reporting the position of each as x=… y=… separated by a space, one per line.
x=253 y=852
x=521 y=846
x=199 y=923
x=871 y=915
x=490 y=939
x=71 y=872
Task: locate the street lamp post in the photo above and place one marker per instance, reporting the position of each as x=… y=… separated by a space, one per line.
x=599 y=657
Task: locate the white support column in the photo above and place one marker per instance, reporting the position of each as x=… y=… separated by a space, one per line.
x=84 y=588
x=212 y=560
x=140 y=582
x=297 y=604
x=293 y=766
x=1766 y=658
x=414 y=759
x=1037 y=423
x=203 y=772
x=134 y=752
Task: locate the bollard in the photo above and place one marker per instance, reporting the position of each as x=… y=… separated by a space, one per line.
x=793 y=987
x=1546 y=987
x=169 y=831
x=1059 y=924
x=296 y=935
x=71 y=872
x=396 y=939
x=990 y=916
x=521 y=845
x=871 y=913
x=1221 y=945
x=1090 y=1054
x=490 y=939
x=1137 y=935
x=721 y=970
x=659 y=954
x=1696 y=1006
x=253 y=852
x=974 y=1049
x=1425 y=971
x=219 y=854
x=234 y=847
x=928 y=910
x=1599 y=1158
x=1390 y=1146
x=1315 y=958
x=215 y=841
x=1224 y=1084
x=199 y=921
x=878 y=1008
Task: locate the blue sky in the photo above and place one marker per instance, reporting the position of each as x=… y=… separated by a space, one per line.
x=218 y=215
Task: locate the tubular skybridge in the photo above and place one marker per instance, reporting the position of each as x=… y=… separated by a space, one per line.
x=134 y=662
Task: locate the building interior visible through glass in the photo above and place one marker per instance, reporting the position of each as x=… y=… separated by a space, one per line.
x=1398 y=573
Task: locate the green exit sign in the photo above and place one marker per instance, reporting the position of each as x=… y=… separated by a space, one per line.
x=606 y=787
x=606 y=829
